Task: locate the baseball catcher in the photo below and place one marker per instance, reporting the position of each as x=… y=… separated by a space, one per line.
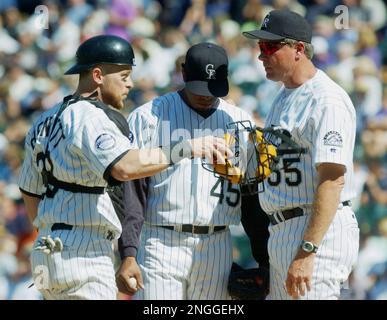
x=248 y=284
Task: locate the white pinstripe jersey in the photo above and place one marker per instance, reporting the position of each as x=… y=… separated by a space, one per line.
x=82 y=145
x=185 y=193
x=320 y=117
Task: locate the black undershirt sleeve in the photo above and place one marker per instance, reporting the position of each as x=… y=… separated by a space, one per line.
x=134 y=202
x=256 y=223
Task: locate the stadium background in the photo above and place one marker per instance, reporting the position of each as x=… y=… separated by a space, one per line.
x=351 y=46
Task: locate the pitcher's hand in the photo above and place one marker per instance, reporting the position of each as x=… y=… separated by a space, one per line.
x=128 y=269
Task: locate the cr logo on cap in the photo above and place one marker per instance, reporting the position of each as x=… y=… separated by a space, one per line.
x=210 y=71
x=265 y=21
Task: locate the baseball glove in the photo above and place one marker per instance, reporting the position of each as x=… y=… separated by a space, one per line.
x=248 y=284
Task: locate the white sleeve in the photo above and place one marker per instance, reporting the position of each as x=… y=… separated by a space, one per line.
x=30 y=180
x=141 y=131
x=99 y=141
x=334 y=135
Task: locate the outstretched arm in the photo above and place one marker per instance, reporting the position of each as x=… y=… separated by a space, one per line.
x=141 y=163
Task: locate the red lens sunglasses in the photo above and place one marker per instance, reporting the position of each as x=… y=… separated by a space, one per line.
x=270 y=47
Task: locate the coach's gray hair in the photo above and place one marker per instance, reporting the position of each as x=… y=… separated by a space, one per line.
x=308 y=47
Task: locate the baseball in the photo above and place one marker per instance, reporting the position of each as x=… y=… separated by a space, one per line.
x=132 y=283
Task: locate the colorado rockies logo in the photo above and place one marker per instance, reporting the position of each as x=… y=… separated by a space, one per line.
x=210 y=71
x=333 y=138
x=265 y=22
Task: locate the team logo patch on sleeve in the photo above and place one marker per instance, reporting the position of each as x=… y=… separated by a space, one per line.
x=105 y=142
x=131 y=137
x=333 y=138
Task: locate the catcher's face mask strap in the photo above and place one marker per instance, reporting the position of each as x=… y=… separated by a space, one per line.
x=247 y=149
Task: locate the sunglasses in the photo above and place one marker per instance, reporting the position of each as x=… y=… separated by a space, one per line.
x=270 y=47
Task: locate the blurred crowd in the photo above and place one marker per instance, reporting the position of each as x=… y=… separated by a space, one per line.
x=38 y=43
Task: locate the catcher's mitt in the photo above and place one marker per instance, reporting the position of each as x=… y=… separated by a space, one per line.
x=248 y=284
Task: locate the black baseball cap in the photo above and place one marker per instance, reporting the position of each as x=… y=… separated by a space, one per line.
x=281 y=24
x=206 y=70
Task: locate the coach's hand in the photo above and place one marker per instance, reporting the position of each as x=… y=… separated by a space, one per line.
x=300 y=272
x=129 y=268
x=214 y=149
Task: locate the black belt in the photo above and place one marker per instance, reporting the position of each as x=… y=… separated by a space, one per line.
x=64 y=226
x=61 y=226
x=282 y=216
x=190 y=228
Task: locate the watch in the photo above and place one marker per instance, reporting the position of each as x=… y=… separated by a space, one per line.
x=308 y=246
